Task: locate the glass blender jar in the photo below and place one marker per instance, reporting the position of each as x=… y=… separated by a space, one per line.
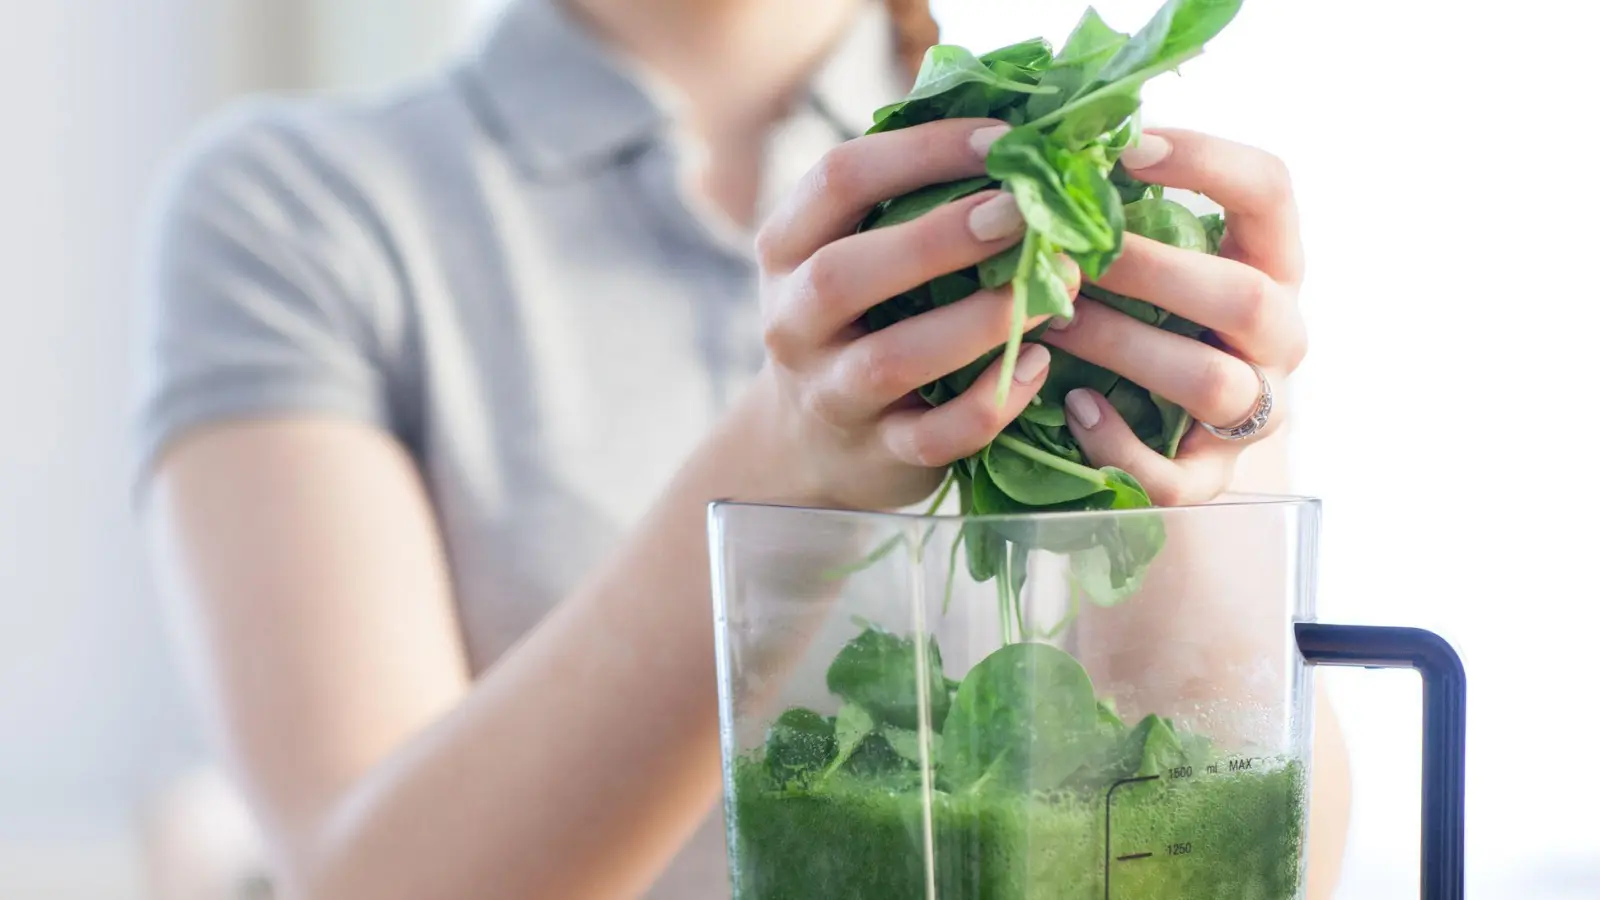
x=1059 y=705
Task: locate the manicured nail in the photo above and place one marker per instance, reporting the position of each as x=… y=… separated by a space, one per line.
x=1031 y=363
x=1074 y=274
x=1083 y=409
x=984 y=138
x=996 y=218
x=1151 y=149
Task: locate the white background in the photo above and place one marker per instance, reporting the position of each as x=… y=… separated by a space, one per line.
x=1443 y=158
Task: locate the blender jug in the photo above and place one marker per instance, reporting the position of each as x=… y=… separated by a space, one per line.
x=1059 y=705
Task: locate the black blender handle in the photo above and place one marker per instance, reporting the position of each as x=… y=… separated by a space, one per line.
x=1444 y=731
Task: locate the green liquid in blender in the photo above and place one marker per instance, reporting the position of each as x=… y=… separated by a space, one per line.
x=1235 y=836
x=1026 y=785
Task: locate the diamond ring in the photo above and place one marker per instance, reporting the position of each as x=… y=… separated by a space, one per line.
x=1256 y=421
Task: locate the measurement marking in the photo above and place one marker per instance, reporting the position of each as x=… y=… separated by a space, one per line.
x=1110 y=792
x=1134 y=856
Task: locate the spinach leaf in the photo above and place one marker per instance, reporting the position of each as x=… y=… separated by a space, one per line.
x=1041 y=413
x=1109 y=720
x=1068 y=373
x=944 y=69
x=1036 y=478
x=1095 y=115
x=1090 y=46
x=878 y=672
x=1023 y=719
x=1147 y=313
x=1001 y=268
x=800 y=744
x=989 y=499
x=1175 y=422
x=1126 y=491
x=1055 y=191
x=947 y=289
x=1215 y=227
x=904 y=742
x=1091 y=577
x=983 y=541
x=1030 y=54
x=850 y=728
x=985 y=549
x=1129 y=188
x=1133 y=403
x=1176 y=34
x=1180 y=325
x=1169 y=222
x=1052 y=439
x=1173 y=36
x=1161 y=751
x=875 y=759
x=907 y=207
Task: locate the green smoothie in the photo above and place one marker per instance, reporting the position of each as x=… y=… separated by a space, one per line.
x=1232 y=836
x=1028 y=771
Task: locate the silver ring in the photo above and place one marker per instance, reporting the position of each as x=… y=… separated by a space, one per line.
x=1257 y=420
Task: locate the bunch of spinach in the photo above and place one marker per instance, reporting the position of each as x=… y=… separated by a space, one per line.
x=1074 y=113
x=1024 y=720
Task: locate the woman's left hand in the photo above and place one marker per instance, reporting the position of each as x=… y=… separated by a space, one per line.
x=1248 y=295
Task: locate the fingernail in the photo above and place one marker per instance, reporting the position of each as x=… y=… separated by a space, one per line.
x=1151 y=149
x=1073 y=272
x=1083 y=409
x=1060 y=323
x=996 y=218
x=1031 y=363
x=984 y=138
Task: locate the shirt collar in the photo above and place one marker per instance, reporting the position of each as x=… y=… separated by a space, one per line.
x=568 y=103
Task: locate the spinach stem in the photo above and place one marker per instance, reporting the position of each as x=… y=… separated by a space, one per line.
x=1066 y=466
x=1002 y=592
x=944 y=491
x=1019 y=318
x=880 y=552
x=887 y=546
x=950 y=573
x=1016 y=595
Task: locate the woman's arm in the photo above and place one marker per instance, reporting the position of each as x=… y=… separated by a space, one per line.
x=325 y=631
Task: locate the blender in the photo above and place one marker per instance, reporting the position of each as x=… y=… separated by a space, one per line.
x=1113 y=705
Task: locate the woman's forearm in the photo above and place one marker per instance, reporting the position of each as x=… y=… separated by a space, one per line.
x=583 y=760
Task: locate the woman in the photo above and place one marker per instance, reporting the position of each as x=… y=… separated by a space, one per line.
x=441 y=383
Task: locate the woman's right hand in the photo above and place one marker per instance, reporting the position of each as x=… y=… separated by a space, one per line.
x=851 y=431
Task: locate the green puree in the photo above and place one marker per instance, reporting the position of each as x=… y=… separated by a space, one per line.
x=1236 y=836
x=1023 y=758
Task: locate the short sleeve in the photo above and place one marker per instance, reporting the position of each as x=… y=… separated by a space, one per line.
x=259 y=284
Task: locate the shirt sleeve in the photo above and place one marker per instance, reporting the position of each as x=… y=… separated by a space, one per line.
x=260 y=282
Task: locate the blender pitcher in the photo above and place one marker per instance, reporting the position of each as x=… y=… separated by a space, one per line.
x=1059 y=705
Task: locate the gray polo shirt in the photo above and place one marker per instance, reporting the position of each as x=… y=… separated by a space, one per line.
x=501 y=267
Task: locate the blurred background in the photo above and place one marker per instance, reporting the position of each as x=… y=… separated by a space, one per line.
x=1441 y=161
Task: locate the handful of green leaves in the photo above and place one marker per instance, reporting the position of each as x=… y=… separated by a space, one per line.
x=1073 y=112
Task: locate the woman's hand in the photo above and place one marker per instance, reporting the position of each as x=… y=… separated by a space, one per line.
x=1247 y=295
x=850 y=425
